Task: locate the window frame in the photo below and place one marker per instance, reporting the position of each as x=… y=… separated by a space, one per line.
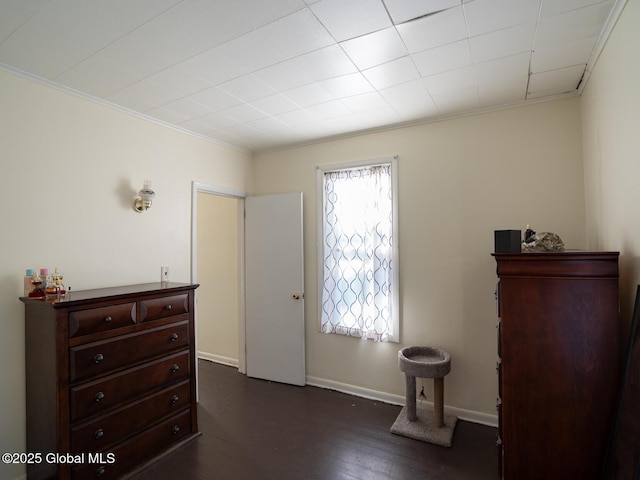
x=394 y=335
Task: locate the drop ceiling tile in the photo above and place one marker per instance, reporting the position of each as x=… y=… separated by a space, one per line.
x=151 y=93
x=329 y=110
x=550 y=8
x=307 y=95
x=243 y=113
x=179 y=78
x=502 y=43
x=457 y=101
x=285 y=75
x=565 y=79
x=345 y=20
x=347 y=85
x=208 y=22
x=484 y=16
x=274 y=104
x=573 y=25
x=410 y=100
x=405 y=10
x=214 y=66
x=503 y=93
x=434 y=30
x=297 y=118
x=453 y=80
x=98 y=76
x=326 y=63
x=296 y=34
x=213 y=121
x=167 y=116
x=216 y=99
x=375 y=48
x=270 y=126
x=365 y=102
x=40 y=52
x=14 y=14
x=562 y=55
x=251 y=51
x=258 y=14
x=379 y=117
x=247 y=88
x=188 y=108
x=503 y=69
x=396 y=72
x=442 y=59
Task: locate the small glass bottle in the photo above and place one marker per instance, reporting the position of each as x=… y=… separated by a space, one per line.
x=52 y=292
x=38 y=291
x=28 y=286
x=57 y=279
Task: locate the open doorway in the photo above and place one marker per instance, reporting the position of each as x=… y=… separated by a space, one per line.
x=217 y=265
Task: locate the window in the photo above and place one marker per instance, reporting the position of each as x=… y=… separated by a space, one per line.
x=358 y=250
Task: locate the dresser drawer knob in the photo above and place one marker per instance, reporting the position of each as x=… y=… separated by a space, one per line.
x=175 y=398
x=101 y=471
x=98 y=396
x=167 y=307
x=99 y=433
x=107 y=319
x=175 y=429
x=98 y=358
x=175 y=368
x=174 y=337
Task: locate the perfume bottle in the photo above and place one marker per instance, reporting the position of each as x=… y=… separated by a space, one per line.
x=38 y=291
x=28 y=286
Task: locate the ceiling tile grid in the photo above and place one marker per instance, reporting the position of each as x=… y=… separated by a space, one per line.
x=268 y=74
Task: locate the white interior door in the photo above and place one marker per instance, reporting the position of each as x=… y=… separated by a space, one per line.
x=274 y=280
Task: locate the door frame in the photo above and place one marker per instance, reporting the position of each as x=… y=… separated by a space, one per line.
x=198 y=187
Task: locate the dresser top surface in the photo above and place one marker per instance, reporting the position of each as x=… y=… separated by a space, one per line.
x=124 y=291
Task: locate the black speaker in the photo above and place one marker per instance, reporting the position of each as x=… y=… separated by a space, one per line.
x=507 y=241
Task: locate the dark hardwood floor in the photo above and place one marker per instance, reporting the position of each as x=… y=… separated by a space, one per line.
x=260 y=430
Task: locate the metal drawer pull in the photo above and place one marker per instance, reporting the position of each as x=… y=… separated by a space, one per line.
x=107 y=319
x=101 y=471
x=175 y=429
x=99 y=433
x=174 y=337
x=167 y=307
x=175 y=368
x=175 y=399
x=98 y=358
x=98 y=396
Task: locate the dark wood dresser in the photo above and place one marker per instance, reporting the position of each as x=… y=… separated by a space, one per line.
x=110 y=379
x=559 y=362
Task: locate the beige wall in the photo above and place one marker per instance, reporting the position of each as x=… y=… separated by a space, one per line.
x=69 y=169
x=611 y=145
x=218 y=276
x=459 y=180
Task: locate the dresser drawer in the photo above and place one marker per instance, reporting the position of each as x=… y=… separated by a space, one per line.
x=99 y=357
x=94 y=320
x=108 y=430
x=156 y=308
x=96 y=397
x=138 y=449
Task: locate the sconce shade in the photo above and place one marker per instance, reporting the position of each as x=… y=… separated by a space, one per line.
x=145 y=198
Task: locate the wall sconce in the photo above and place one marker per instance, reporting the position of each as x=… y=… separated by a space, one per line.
x=143 y=201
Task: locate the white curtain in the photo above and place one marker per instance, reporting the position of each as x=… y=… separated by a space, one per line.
x=358 y=228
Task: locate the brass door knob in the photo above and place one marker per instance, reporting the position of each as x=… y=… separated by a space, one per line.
x=297 y=296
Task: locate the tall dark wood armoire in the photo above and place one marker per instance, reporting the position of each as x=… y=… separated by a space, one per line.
x=559 y=362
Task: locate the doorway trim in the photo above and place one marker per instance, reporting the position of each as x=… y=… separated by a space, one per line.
x=198 y=187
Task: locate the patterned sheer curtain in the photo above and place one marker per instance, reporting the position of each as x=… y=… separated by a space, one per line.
x=358 y=231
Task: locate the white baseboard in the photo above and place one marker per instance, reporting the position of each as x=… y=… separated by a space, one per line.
x=231 y=362
x=462 y=414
